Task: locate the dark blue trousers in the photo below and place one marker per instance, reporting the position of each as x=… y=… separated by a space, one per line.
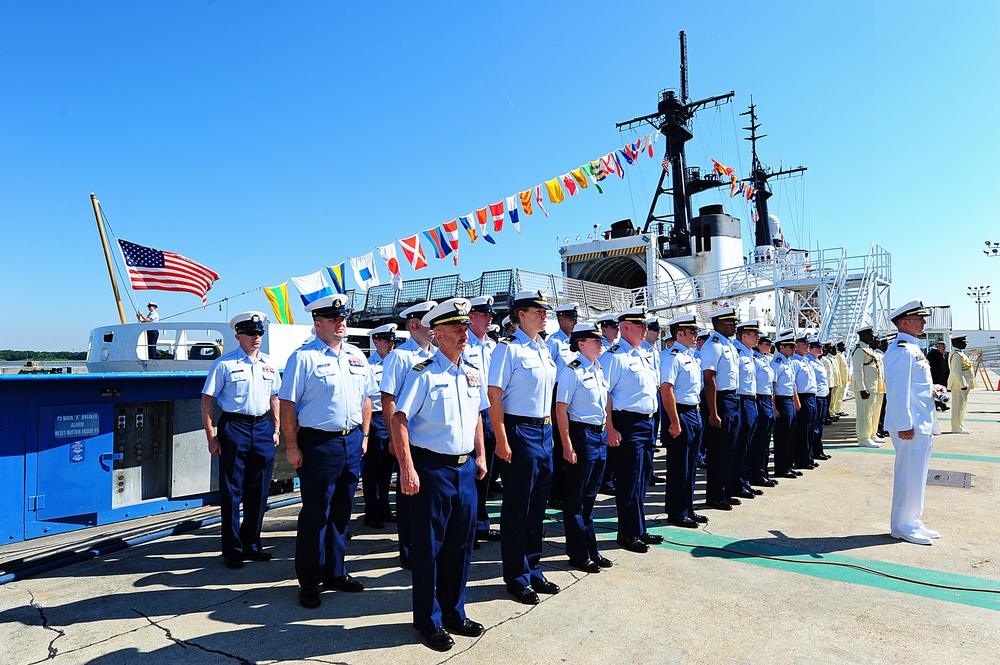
x=328 y=479
x=483 y=486
x=804 y=422
x=748 y=425
x=376 y=472
x=526 y=482
x=558 y=489
x=633 y=466
x=583 y=480
x=760 y=447
x=784 y=434
x=682 y=462
x=443 y=524
x=245 y=469
x=819 y=424
x=720 y=442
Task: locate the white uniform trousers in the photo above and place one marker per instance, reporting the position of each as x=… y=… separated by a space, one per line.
x=876 y=412
x=913 y=459
x=837 y=403
x=959 y=403
x=864 y=418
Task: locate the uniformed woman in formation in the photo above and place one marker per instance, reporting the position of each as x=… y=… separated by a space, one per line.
x=522 y=376
x=581 y=401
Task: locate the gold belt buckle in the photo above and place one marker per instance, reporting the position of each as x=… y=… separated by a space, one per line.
x=462 y=459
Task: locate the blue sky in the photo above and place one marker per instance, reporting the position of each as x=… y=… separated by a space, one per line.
x=267 y=140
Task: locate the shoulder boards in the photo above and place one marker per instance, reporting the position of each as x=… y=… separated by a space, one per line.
x=506 y=340
x=900 y=343
x=778 y=359
x=424 y=365
x=471 y=364
x=674 y=352
x=614 y=349
x=573 y=365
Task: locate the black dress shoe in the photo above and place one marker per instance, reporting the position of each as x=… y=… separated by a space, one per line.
x=437 y=639
x=745 y=494
x=683 y=522
x=309 y=596
x=734 y=501
x=388 y=517
x=823 y=456
x=406 y=562
x=607 y=489
x=588 y=566
x=467 y=628
x=257 y=555
x=344 y=583
x=763 y=482
x=603 y=561
x=633 y=544
x=497 y=487
x=235 y=564
x=651 y=538
x=374 y=522
x=806 y=467
x=544 y=586
x=719 y=505
x=491 y=535
x=555 y=504
x=524 y=595
x=656 y=480
x=757 y=492
x=700 y=519
x=788 y=474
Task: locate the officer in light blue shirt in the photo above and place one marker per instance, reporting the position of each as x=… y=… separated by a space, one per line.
x=522 y=376
x=822 y=397
x=786 y=404
x=243 y=383
x=747 y=335
x=479 y=352
x=558 y=343
x=633 y=382
x=376 y=472
x=581 y=412
x=438 y=428
x=680 y=387
x=720 y=367
x=325 y=415
x=610 y=331
x=757 y=457
x=397 y=367
x=805 y=386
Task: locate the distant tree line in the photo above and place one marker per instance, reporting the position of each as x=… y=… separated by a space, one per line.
x=9 y=355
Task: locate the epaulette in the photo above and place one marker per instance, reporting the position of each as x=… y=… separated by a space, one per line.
x=424 y=365
x=779 y=358
x=614 y=348
x=573 y=365
x=471 y=364
x=900 y=343
x=505 y=340
x=674 y=352
x=715 y=338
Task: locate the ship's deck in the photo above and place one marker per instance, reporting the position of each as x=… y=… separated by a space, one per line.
x=805 y=573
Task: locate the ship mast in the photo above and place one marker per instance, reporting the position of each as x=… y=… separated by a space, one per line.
x=672 y=118
x=759 y=175
x=107 y=255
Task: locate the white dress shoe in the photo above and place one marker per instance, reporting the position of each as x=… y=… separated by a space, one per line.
x=964 y=430
x=930 y=533
x=878 y=439
x=870 y=444
x=917 y=538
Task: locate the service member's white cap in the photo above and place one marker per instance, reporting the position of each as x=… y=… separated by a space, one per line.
x=748 y=326
x=569 y=309
x=653 y=323
x=585 y=331
x=530 y=299
x=683 y=321
x=151 y=304
x=608 y=320
x=912 y=308
x=803 y=338
x=633 y=315
x=482 y=304
x=328 y=307
x=387 y=331
x=814 y=341
x=865 y=329
x=417 y=311
x=786 y=337
x=724 y=314
x=453 y=310
x=704 y=333
x=764 y=339
x=494 y=328
x=248 y=321
x=786 y=332
x=506 y=321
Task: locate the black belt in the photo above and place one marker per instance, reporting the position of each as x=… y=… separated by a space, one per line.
x=753 y=397
x=684 y=408
x=634 y=414
x=450 y=460
x=763 y=396
x=586 y=426
x=326 y=432
x=525 y=420
x=725 y=392
x=242 y=417
x=784 y=397
x=807 y=394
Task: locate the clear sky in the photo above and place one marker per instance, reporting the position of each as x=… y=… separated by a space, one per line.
x=268 y=139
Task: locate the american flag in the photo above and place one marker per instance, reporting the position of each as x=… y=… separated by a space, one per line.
x=666 y=163
x=152 y=270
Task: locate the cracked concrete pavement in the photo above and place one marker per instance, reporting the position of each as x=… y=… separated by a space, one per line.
x=172 y=600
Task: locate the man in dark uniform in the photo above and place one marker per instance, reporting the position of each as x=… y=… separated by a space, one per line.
x=438 y=427
x=376 y=472
x=938 y=360
x=244 y=383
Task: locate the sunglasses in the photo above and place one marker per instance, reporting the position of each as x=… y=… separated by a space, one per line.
x=252 y=333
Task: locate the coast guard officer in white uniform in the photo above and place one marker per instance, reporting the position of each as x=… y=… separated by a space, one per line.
x=909 y=417
x=244 y=383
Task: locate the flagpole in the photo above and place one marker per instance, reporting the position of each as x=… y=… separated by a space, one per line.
x=107 y=256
